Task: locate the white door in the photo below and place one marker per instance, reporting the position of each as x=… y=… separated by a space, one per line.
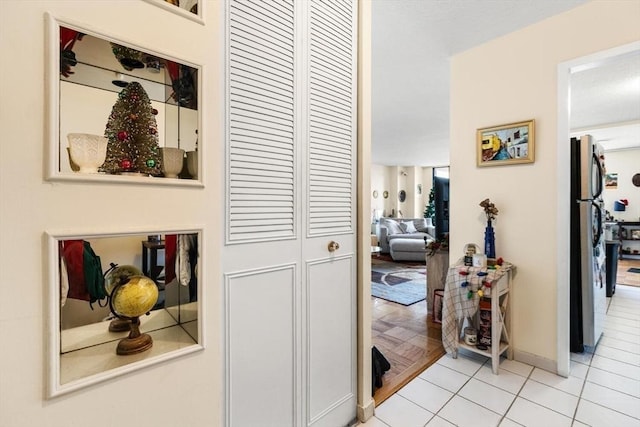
x=290 y=320
x=329 y=221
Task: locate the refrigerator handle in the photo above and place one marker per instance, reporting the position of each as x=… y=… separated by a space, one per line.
x=599 y=230
x=596 y=161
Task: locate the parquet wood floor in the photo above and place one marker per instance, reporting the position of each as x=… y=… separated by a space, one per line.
x=407 y=338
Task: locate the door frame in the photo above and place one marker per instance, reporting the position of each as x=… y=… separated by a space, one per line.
x=365 y=402
x=563 y=194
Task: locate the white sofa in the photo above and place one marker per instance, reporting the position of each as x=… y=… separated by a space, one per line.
x=403 y=229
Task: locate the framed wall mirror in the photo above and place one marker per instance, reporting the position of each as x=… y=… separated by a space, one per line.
x=150 y=289
x=190 y=9
x=119 y=112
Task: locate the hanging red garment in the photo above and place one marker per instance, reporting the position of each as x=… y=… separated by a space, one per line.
x=73 y=257
x=170 y=246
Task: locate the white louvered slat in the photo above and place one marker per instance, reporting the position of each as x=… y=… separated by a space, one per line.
x=261 y=153
x=331 y=127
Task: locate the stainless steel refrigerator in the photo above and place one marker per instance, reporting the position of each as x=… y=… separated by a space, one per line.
x=587 y=259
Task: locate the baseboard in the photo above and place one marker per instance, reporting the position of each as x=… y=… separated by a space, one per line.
x=536 y=360
x=366 y=412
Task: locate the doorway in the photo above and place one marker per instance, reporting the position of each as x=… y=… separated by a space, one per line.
x=407 y=335
x=565 y=72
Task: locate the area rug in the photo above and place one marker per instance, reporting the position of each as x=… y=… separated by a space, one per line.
x=634 y=270
x=400 y=283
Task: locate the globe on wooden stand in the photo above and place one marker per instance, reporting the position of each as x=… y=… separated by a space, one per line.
x=129 y=301
x=119 y=274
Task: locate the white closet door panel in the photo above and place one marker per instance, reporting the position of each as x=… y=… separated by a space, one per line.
x=263 y=94
x=249 y=78
x=330 y=201
x=251 y=18
x=263 y=146
x=279 y=12
x=331 y=339
x=261 y=390
x=322 y=98
x=261 y=151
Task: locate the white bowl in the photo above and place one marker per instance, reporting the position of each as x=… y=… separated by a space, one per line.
x=172 y=161
x=87 y=151
x=192 y=163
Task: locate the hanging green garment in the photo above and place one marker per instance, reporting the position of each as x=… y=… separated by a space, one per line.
x=94 y=279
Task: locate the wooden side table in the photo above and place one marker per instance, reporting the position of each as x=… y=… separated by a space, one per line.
x=437 y=267
x=458 y=307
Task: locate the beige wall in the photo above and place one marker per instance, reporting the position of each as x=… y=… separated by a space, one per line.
x=392 y=179
x=188 y=389
x=510 y=79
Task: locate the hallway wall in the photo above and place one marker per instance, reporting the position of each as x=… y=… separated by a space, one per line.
x=510 y=79
x=188 y=389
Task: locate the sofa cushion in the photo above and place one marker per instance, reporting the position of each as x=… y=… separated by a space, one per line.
x=415 y=236
x=408 y=227
x=407 y=245
x=421 y=224
x=392 y=226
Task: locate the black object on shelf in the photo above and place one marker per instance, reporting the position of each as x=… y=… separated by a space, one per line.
x=611 y=259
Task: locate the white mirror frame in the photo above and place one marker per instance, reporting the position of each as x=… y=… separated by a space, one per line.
x=52 y=319
x=182 y=12
x=52 y=80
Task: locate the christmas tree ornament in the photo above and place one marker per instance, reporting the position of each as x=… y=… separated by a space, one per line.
x=132 y=147
x=125 y=164
x=152 y=131
x=154 y=112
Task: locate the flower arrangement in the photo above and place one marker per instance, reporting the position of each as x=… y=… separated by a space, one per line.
x=436 y=245
x=490 y=209
x=491 y=212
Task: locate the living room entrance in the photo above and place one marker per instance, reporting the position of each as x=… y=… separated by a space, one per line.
x=406 y=230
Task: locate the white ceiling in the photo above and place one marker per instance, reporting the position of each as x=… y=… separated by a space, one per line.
x=412 y=42
x=605 y=102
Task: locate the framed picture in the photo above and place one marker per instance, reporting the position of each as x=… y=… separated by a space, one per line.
x=611 y=180
x=635 y=234
x=507 y=144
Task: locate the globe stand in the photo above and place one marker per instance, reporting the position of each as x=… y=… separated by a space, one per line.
x=119 y=325
x=135 y=342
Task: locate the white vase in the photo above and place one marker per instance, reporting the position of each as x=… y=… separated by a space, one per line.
x=172 y=161
x=192 y=163
x=87 y=151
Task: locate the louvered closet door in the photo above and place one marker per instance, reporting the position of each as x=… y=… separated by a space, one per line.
x=290 y=338
x=330 y=200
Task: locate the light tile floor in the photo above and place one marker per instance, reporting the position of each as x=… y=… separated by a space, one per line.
x=602 y=390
